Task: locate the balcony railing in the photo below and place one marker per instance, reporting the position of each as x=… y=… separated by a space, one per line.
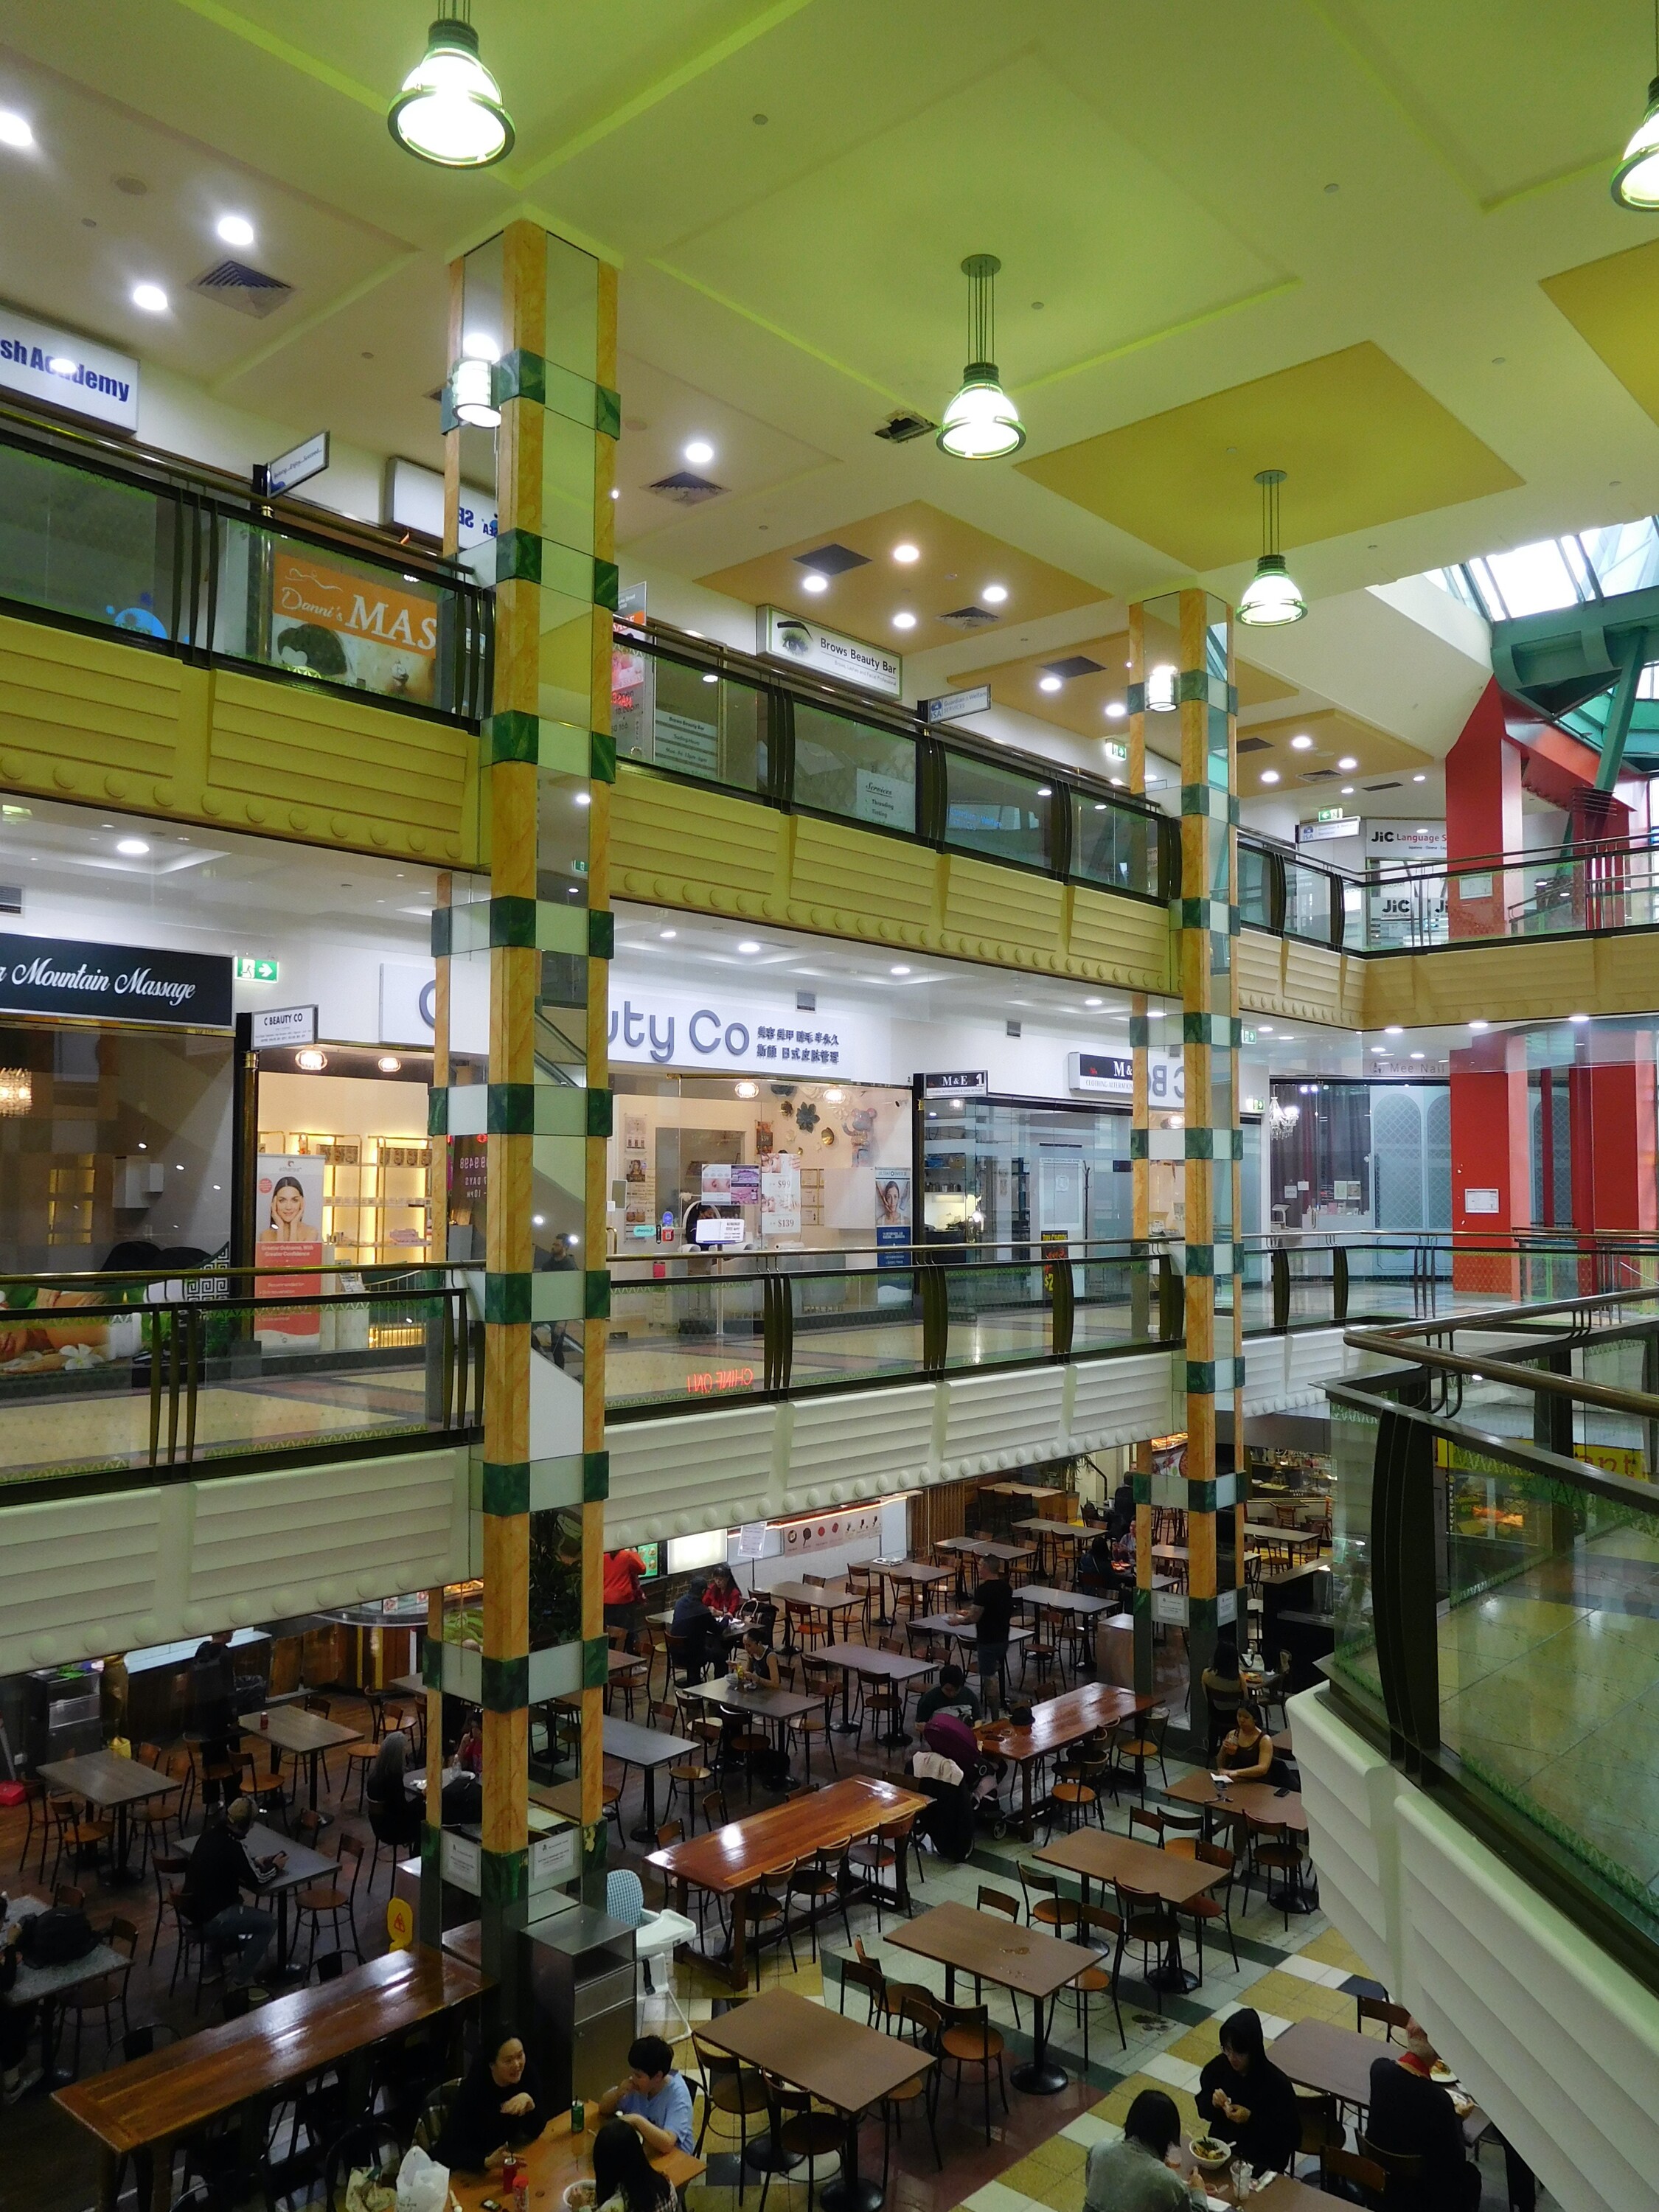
x=1496 y=1560
x=95 y=539
x=1573 y=891
x=115 y=1376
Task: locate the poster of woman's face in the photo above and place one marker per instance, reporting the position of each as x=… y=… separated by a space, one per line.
x=290 y=1199
x=892 y=1198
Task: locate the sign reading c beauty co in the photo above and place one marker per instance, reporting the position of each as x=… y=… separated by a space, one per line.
x=114 y=983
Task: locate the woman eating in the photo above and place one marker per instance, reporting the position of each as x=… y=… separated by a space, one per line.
x=499 y=2106
x=1244 y=2098
x=1246 y=1754
x=624 y=2179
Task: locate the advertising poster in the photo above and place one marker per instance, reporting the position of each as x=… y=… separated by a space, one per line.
x=364 y=631
x=780 y=1185
x=289 y=1233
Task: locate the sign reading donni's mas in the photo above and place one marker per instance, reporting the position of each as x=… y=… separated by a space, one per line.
x=114 y=983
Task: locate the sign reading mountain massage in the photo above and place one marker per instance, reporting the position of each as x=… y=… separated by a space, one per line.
x=114 y=983
x=362 y=630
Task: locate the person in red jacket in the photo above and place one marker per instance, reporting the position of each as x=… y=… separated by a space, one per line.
x=625 y=1593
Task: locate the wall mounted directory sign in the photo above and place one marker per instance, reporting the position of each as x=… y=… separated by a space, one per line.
x=114 y=983
x=951 y=706
x=780 y=636
x=292 y=469
x=60 y=370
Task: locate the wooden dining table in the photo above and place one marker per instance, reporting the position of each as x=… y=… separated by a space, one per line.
x=1260 y=1802
x=1337 y=2062
x=832 y=2058
x=798 y=1598
x=1058 y=1723
x=871 y=1664
x=114 y=1784
x=1098 y=1855
x=1024 y=1960
x=553 y=2161
x=151 y=2103
x=305 y=1735
x=728 y=1861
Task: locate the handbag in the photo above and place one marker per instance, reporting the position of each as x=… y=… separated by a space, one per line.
x=57 y=1938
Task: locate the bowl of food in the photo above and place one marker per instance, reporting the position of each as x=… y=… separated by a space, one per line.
x=579 y=2197
x=1209 y=2154
x=1444 y=2075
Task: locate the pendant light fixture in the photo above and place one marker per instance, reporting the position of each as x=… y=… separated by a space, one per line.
x=982 y=423
x=449 y=111
x=1636 y=181
x=1271 y=598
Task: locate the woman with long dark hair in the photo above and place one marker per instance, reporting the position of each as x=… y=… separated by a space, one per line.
x=1243 y=2098
x=624 y=2179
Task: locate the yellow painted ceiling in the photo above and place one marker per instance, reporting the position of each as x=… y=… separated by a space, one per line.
x=1266 y=747
x=1360 y=441
x=955 y=563
x=1080 y=703
x=1613 y=305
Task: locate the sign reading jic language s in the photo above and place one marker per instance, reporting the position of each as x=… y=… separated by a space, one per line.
x=114 y=983
x=52 y=366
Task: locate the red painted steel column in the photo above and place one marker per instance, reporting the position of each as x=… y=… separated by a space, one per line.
x=1490 y=1163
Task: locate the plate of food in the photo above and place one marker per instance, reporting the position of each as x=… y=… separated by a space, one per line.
x=1209 y=2154
x=1443 y=2074
x=579 y=2197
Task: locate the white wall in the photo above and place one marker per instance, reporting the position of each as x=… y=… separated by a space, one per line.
x=182 y=417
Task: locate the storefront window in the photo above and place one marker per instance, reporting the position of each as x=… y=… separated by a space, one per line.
x=1354 y=1155
x=855 y=770
x=1003 y=1172
x=993 y=811
x=1114 y=847
x=689 y=719
x=85 y=545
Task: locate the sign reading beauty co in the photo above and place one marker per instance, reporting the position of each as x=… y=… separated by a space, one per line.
x=114 y=983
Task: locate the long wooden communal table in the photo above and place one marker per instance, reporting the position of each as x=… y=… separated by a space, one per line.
x=1023 y=1959
x=831 y=2058
x=1097 y=1855
x=555 y=2159
x=148 y=2105
x=1058 y=1723
x=728 y=1861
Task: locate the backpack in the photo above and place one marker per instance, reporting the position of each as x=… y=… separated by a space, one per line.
x=55 y=1938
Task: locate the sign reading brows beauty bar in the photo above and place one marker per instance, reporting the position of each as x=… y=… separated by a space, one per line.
x=114 y=983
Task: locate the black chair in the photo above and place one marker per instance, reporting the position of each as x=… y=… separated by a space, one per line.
x=371 y=2144
x=329 y=1968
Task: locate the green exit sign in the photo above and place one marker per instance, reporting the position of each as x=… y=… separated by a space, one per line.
x=1247 y=1036
x=1330 y=814
x=256 y=971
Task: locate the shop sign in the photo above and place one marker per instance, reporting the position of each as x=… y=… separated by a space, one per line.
x=408 y=991
x=40 y=362
x=1320 y=832
x=779 y=635
x=290 y=470
x=654 y=1025
x=958 y=1083
x=1418 y=842
x=1091 y=1074
x=112 y=982
x=281 y=1026
x=830 y=1533
x=350 y=629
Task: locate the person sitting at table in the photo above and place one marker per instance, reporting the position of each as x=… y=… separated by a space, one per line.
x=724 y=1599
x=1246 y=1754
x=468 y=1752
x=697 y=1631
x=17 y=2076
x=395 y=1812
x=210 y=1897
x=992 y=1611
x=1223 y=1690
x=1141 y=2172
x=1246 y=2101
x=624 y=2179
x=951 y=1693
x=761 y=1662
x=1413 y=2115
x=652 y=2098
x=499 y=2106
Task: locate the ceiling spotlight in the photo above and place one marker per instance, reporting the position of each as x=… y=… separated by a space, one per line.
x=746 y=1090
x=235 y=229
x=1347 y=791
x=1116 y=782
x=449 y=110
x=131 y=849
x=388 y=1063
x=1347 y=763
x=904 y=620
x=1379 y=1048
x=699 y=453
x=1479 y=1025
x=1116 y=710
x=898 y=971
x=666 y=933
x=907 y=553
x=994 y=594
x=1417 y=1055
x=1577 y=1018
x=1301 y=743
x=748 y=944
x=151 y=298
x=1394 y=1028
x=1051 y=682
x=14 y=131
x=1094 y=1002
x=812 y=581
x=1636 y=181
x=982 y=423
x=311 y=1062
x=1271 y=598
x=614 y=494
x=1270 y=775
x=1419 y=779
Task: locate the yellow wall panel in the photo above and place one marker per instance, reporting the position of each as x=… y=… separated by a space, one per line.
x=1123 y=940
x=1283 y=976
x=883 y=886
x=86 y=718
x=692 y=847
x=1004 y=914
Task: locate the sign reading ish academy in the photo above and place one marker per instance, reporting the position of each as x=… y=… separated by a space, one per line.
x=52 y=365
x=783 y=636
x=113 y=983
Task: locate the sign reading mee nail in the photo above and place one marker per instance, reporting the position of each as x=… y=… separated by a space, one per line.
x=115 y=983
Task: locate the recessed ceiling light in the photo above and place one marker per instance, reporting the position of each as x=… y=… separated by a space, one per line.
x=898 y=971
x=1577 y=1017
x=709 y=677
x=1419 y=779
x=1348 y=763
x=1394 y=1028
x=1347 y=791
x=699 y=453
x=1116 y=782
x=235 y=229
x=1301 y=743
x=904 y=621
x=666 y=933
x=1379 y=1048
x=1116 y=710
x=388 y=1063
x=1045 y=791
x=907 y=553
x=748 y=944
x=1094 y=1002
x=131 y=849
x=614 y=494
x=14 y=130
x=994 y=594
x=1479 y=1025
x=1417 y=1055
x=1050 y=683
x=812 y=581
x=1270 y=775
x=151 y=298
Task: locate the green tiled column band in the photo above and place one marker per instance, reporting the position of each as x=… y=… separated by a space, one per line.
x=484 y=925
x=506 y=1487
x=514 y=735
x=522 y=375
x=506 y=1684
x=522 y=558
x=503 y=1877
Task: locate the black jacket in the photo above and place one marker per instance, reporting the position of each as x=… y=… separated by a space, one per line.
x=476 y=2125
x=220 y=1870
x=1411 y=2114
x=1273 y=2134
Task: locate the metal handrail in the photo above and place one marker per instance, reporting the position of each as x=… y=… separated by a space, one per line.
x=1395 y=1342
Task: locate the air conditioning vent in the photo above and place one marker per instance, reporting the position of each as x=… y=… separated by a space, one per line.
x=1394 y=786
x=969 y=618
x=686 y=489
x=1079 y=664
x=899 y=429
x=1320 y=776
x=1254 y=745
x=250 y=291
x=832 y=559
